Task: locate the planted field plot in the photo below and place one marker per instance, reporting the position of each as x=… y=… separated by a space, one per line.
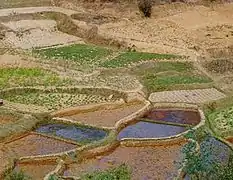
x=102 y=57
x=128 y=58
x=158 y=76
x=143 y=162
x=55 y=101
x=33 y=144
x=81 y=134
x=187 y=96
x=79 y=53
x=222 y=121
x=105 y=117
x=18 y=77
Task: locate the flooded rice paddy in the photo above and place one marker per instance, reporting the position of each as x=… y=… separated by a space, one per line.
x=174 y=116
x=72 y=132
x=144 y=162
x=150 y=130
x=34 y=144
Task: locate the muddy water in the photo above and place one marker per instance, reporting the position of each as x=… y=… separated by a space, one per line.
x=145 y=162
x=175 y=116
x=149 y=130
x=38 y=145
x=106 y=118
x=72 y=132
x=37 y=171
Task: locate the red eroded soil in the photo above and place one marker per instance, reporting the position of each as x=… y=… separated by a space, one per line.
x=34 y=144
x=5 y=119
x=106 y=118
x=230 y=139
x=145 y=162
x=36 y=171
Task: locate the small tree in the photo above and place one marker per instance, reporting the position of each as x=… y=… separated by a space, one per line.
x=145 y=6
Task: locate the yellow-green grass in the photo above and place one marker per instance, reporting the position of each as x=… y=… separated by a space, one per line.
x=18 y=77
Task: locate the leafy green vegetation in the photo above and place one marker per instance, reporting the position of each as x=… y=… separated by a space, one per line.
x=161 y=82
x=17 y=175
x=160 y=76
x=127 y=58
x=222 y=121
x=54 y=101
x=54 y=177
x=93 y=55
x=121 y=172
x=80 y=53
x=206 y=158
x=15 y=77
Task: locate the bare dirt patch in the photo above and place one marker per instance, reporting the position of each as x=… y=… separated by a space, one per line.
x=93 y=19
x=145 y=162
x=33 y=144
x=5 y=119
x=105 y=117
x=8 y=60
x=28 y=34
x=36 y=171
x=220 y=66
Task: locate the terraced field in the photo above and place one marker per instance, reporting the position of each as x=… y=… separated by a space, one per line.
x=79 y=100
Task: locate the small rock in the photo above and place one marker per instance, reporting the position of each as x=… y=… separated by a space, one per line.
x=1 y=102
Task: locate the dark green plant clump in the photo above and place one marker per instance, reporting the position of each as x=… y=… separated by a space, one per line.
x=121 y=172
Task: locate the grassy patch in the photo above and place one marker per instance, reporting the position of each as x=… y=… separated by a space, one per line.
x=55 y=101
x=15 y=77
x=121 y=172
x=127 y=58
x=160 y=76
x=80 y=53
x=17 y=175
x=159 y=83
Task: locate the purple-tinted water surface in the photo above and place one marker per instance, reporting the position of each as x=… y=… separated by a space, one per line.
x=72 y=132
x=175 y=116
x=149 y=130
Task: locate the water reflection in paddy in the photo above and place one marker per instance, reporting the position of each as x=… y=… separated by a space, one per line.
x=72 y=132
x=149 y=130
x=174 y=116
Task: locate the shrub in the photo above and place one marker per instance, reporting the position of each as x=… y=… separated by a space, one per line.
x=145 y=6
x=17 y=175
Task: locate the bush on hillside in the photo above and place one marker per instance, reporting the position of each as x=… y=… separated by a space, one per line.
x=145 y=6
